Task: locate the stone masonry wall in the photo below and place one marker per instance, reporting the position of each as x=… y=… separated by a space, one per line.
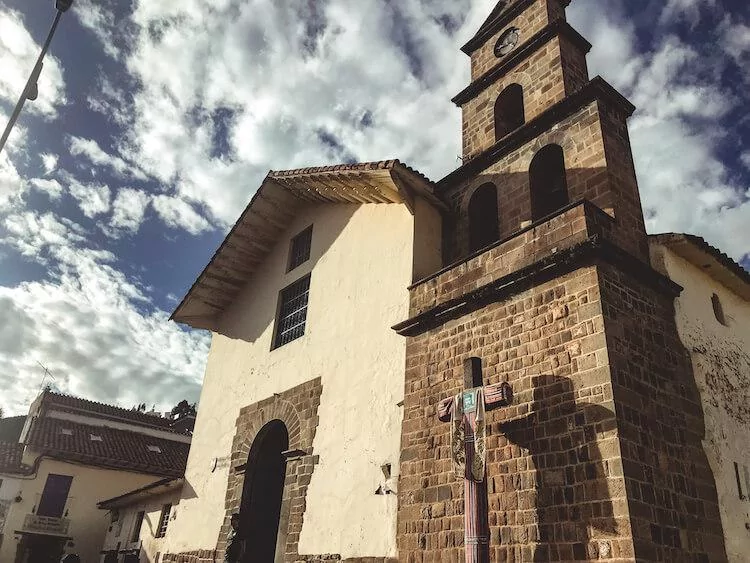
x=579 y=135
x=556 y=487
x=530 y=21
x=672 y=496
x=570 y=227
x=540 y=76
x=297 y=408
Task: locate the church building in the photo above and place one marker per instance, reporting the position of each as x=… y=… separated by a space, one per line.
x=497 y=366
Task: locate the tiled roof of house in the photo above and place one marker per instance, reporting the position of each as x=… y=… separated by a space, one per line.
x=109 y=447
x=352 y=167
x=68 y=403
x=10 y=457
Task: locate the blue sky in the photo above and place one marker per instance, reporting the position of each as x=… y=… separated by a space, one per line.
x=156 y=121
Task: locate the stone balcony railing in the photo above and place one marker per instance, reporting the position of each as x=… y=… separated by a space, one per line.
x=46 y=525
x=545 y=239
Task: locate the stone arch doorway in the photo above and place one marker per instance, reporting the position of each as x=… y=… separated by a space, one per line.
x=262 y=493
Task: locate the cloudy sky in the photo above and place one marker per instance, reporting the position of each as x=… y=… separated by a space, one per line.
x=157 y=120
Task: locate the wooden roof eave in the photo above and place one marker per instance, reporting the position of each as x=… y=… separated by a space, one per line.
x=270 y=212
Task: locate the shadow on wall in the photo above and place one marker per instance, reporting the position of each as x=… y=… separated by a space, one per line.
x=261 y=295
x=568 y=488
x=471 y=220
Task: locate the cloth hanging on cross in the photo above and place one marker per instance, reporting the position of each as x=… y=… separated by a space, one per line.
x=458 y=439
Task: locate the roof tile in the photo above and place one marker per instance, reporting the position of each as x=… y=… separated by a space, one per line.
x=67 y=402
x=118 y=449
x=10 y=457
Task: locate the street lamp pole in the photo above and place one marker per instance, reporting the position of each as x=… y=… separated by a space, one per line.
x=30 y=90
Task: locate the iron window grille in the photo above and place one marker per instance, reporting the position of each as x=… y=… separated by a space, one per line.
x=164 y=521
x=290 y=324
x=299 y=251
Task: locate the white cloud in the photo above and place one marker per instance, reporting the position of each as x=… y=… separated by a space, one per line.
x=179 y=214
x=128 y=210
x=34 y=235
x=49 y=162
x=98 y=18
x=684 y=184
x=91 y=150
x=50 y=186
x=110 y=101
x=348 y=90
x=12 y=184
x=18 y=54
x=676 y=10
x=88 y=327
x=93 y=199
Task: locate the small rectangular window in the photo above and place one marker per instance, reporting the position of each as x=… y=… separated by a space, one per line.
x=137 y=528
x=292 y=315
x=299 y=251
x=164 y=521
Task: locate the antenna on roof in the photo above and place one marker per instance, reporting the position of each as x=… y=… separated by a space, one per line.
x=46 y=373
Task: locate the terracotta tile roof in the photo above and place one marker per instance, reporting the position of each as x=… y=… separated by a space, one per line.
x=10 y=457
x=353 y=167
x=117 y=449
x=75 y=404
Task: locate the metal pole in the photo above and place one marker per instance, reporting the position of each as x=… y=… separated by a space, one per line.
x=34 y=74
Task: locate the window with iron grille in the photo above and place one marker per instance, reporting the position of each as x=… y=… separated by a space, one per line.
x=290 y=323
x=299 y=251
x=164 y=521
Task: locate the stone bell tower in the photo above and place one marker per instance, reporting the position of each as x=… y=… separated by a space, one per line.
x=547 y=280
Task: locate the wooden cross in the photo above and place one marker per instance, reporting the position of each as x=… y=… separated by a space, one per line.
x=476 y=522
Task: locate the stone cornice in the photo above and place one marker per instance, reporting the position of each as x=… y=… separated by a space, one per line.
x=596 y=89
x=556 y=29
x=591 y=251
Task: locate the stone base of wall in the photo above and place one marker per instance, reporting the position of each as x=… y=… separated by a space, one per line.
x=212 y=556
x=200 y=556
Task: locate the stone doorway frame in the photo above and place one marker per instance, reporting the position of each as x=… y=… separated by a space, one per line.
x=297 y=408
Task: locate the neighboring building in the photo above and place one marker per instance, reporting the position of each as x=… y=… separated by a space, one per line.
x=74 y=453
x=318 y=421
x=140 y=521
x=11 y=454
x=713 y=319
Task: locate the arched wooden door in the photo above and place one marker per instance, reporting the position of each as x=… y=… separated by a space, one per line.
x=262 y=493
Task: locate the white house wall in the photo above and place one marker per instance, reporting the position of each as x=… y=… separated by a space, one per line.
x=121 y=532
x=88 y=524
x=721 y=362
x=361 y=262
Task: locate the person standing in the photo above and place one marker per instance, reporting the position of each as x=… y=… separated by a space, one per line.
x=235 y=546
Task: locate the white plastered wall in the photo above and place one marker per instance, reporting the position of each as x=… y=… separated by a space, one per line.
x=9 y=488
x=721 y=363
x=122 y=532
x=361 y=262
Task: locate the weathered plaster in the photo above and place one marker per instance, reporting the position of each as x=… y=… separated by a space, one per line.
x=721 y=363
x=361 y=262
